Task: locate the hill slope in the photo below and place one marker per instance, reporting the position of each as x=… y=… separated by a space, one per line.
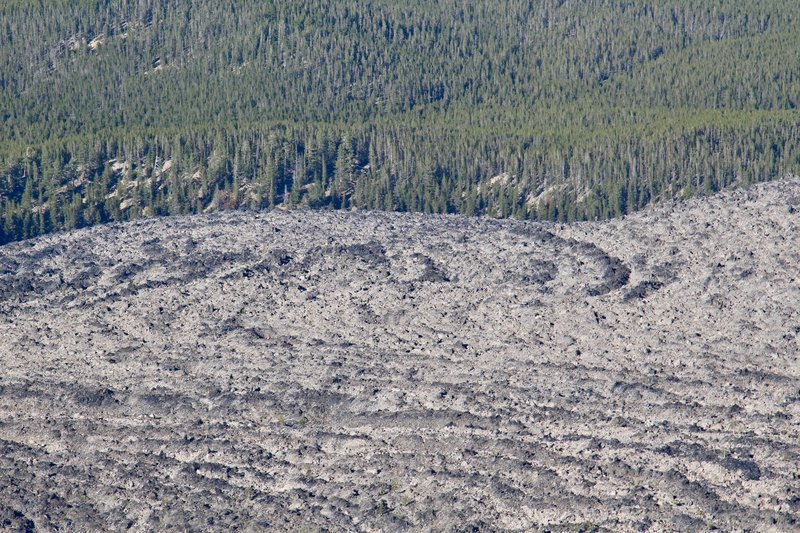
x=561 y=110
x=355 y=371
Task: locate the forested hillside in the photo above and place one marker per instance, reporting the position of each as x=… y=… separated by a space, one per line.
x=116 y=109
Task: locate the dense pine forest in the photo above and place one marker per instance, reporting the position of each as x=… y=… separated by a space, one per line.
x=549 y=109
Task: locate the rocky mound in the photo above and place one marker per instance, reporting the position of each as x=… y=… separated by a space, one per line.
x=372 y=371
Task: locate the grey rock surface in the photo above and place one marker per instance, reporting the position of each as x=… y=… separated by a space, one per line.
x=381 y=372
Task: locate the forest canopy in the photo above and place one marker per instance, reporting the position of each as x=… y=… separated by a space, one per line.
x=554 y=109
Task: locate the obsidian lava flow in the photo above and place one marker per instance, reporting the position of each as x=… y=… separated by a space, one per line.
x=351 y=371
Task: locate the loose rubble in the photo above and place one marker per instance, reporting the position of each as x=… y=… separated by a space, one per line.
x=352 y=371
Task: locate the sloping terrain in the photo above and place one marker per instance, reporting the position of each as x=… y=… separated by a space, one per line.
x=372 y=371
x=559 y=110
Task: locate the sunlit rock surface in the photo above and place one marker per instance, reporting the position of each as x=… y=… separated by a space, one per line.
x=372 y=371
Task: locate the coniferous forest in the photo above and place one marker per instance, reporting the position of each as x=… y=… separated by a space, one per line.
x=551 y=109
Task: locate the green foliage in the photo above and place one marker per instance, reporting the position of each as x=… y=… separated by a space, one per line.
x=115 y=109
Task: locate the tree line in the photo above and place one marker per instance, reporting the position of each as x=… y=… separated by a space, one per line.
x=115 y=109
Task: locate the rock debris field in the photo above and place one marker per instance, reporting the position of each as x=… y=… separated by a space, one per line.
x=344 y=371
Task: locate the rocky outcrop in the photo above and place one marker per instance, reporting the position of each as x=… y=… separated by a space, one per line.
x=373 y=371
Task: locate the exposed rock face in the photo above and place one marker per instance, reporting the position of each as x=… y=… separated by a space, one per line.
x=372 y=371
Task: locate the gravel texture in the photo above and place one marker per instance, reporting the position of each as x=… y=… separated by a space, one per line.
x=352 y=371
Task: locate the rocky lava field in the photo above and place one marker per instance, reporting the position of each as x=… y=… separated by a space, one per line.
x=347 y=371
